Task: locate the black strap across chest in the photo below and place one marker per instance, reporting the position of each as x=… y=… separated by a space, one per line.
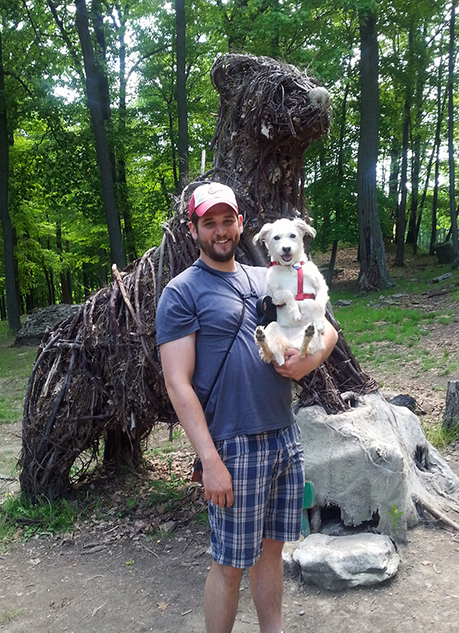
x=244 y=297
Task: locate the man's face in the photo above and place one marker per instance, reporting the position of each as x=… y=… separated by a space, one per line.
x=218 y=232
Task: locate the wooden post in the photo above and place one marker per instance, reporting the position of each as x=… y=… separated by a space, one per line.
x=451 y=414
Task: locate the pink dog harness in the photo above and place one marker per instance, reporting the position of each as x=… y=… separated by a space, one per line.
x=301 y=295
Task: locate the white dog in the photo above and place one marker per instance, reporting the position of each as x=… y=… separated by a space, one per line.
x=298 y=290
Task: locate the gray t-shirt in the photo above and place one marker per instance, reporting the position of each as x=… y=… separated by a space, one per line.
x=249 y=396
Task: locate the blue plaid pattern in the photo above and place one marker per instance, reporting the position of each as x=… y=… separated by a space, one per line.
x=268 y=481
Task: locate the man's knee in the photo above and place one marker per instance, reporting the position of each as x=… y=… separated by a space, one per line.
x=271 y=547
x=227 y=574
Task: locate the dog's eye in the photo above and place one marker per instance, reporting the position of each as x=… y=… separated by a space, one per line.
x=276 y=237
x=293 y=236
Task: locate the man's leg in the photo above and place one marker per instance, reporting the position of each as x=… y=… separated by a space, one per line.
x=266 y=584
x=221 y=597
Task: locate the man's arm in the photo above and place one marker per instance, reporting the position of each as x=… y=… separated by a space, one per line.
x=296 y=367
x=178 y=361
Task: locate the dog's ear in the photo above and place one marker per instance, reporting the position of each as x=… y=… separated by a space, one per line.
x=304 y=228
x=263 y=235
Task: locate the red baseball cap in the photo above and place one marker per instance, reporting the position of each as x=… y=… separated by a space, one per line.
x=208 y=195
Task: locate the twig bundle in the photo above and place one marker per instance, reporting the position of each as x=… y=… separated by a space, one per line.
x=98 y=374
x=269 y=113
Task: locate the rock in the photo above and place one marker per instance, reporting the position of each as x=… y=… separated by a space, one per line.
x=42 y=319
x=435 y=280
x=342 y=303
x=339 y=562
x=167 y=526
x=349 y=397
x=374 y=455
x=404 y=400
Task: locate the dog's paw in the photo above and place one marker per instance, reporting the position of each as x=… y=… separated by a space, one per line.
x=309 y=330
x=260 y=336
x=294 y=313
x=320 y=325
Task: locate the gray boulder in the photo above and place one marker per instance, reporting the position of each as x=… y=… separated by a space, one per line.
x=339 y=562
x=373 y=460
x=42 y=319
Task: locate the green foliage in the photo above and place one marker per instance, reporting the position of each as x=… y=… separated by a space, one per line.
x=54 y=193
x=378 y=322
x=15 y=366
x=439 y=436
x=168 y=494
x=382 y=333
x=202 y=518
x=9 y=615
x=395 y=514
x=19 y=516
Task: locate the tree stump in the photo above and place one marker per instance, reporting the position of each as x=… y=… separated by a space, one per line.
x=451 y=414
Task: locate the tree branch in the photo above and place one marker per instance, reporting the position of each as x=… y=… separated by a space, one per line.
x=67 y=40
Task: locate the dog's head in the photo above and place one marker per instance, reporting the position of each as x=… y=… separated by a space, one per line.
x=284 y=240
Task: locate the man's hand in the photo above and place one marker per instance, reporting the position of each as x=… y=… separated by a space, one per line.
x=296 y=368
x=217 y=482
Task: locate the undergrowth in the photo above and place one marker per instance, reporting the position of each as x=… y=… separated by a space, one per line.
x=20 y=518
x=384 y=335
x=440 y=436
x=109 y=494
x=15 y=367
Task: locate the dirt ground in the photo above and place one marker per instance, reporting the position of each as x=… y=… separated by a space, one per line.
x=111 y=576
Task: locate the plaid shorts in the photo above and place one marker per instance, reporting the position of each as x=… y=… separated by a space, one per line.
x=268 y=481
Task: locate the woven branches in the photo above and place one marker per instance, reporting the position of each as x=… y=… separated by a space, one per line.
x=98 y=374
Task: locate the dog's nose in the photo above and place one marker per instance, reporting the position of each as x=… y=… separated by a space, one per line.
x=286 y=249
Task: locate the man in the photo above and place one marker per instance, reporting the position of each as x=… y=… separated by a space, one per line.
x=236 y=411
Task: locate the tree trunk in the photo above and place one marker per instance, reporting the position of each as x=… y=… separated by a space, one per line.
x=339 y=183
x=182 y=106
x=173 y=150
x=14 y=322
x=393 y=183
x=401 y=217
x=452 y=187
x=123 y=197
x=66 y=298
x=100 y=137
x=373 y=270
x=451 y=413
x=416 y=166
x=440 y=110
x=68 y=275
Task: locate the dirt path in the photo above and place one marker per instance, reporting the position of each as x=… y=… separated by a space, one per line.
x=109 y=577
x=95 y=583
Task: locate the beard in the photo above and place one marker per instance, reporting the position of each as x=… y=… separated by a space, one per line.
x=222 y=255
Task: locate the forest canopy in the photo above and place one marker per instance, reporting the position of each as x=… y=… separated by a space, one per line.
x=107 y=107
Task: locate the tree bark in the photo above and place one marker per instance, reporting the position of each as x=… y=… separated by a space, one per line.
x=123 y=197
x=401 y=216
x=394 y=181
x=452 y=186
x=440 y=110
x=416 y=164
x=373 y=270
x=100 y=137
x=66 y=298
x=182 y=106
x=451 y=413
x=14 y=322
